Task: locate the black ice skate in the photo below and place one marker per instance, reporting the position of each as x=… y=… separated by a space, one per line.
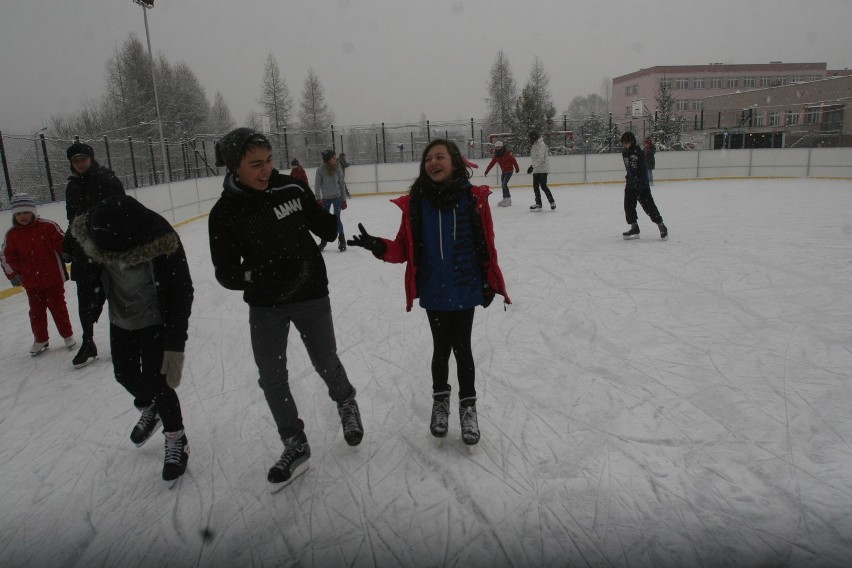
x=552 y=205
x=177 y=455
x=536 y=207
x=147 y=425
x=350 y=418
x=87 y=353
x=440 y=415
x=664 y=232
x=633 y=233
x=341 y=243
x=292 y=463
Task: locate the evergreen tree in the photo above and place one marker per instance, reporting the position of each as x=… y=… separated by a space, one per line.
x=582 y=107
x=275 y=96
x=502 y=94
x=666 y=124
x=315 y=118
x=534 y=109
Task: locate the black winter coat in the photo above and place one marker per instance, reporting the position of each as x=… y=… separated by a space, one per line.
x=637 y=171
x=261 y=243
x=120 y=231
x=82 y=192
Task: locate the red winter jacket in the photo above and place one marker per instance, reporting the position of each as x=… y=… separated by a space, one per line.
x=401 y=249
x=507 y=163
x=34 y=252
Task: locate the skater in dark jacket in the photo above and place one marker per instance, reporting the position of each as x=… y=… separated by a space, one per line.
x=637 y=189
x=89 y=184
x=261 y=243
x=446 y=237
x=146 y=281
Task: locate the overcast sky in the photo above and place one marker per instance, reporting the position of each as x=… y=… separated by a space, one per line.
x=393 y=60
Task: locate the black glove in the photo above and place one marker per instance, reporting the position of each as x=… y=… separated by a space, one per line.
x=367 y=241
x=487 y=295
x=529 y=170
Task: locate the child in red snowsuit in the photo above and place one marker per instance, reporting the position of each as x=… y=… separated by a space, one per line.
x=32 y=258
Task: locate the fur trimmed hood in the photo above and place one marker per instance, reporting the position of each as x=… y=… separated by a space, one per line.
x=120 y=231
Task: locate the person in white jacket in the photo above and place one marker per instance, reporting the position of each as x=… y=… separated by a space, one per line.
x=538 y=155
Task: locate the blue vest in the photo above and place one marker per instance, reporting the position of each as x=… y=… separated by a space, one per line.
x=449 y=277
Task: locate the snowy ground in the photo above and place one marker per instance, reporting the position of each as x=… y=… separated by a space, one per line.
x=642 y=403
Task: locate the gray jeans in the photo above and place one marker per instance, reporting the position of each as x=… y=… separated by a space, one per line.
x=269 y=330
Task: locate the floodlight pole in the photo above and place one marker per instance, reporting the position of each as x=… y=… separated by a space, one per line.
x=145 y=7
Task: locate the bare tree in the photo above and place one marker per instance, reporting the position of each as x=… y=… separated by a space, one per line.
x=275 y=96
x=502 y=94
x=315 y=118
x=254 y=121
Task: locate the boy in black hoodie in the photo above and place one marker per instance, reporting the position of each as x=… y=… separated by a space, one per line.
x=637 y=189
x=261 y=243
x=145 y=278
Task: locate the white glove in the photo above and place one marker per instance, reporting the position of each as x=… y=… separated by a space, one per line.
x=172 y=367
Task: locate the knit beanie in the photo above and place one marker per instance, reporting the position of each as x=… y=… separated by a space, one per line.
x=498 y=144
x=80 y=149
x=22 y=202
x=231 y=148
x=327 y=155
x=119 y=223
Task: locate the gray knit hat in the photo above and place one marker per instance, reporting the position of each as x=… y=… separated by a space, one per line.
x=231 y=148
x=22 y=202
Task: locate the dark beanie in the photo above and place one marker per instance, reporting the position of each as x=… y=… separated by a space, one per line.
x=80 y=149
x=119 y=223
x=231 y=148
x=327 y=155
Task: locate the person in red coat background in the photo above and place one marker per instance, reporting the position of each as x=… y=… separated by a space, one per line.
x=508 y=165
x=32 y=258
x=299 y=172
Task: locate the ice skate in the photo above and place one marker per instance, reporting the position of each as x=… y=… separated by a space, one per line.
x=146 y=426
x=536 y=207
x=350 y=418
x=664 y=232
x=469 y=424
x=39 y=347
x=439 y=424
x=70 y=342
x=341 y=243
x=88 y=352
x=552 y=205
x=292 y=463
x=177 y=455
x=632 y=233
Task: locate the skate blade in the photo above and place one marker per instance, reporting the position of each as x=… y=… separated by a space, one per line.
x=172 y=483
x=39 y=352
x=300 y=469
x=87 y=362
x=630 y=237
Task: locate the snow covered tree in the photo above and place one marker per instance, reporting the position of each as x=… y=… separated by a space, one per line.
x=666 y=124
x=220 y=116
x=275 y=96
x=502 y=94
x=582 y=107
x=534 y=108
x=315 y=118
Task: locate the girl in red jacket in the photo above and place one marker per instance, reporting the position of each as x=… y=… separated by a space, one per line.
x=508 y=165
x=32 y=258
x=447 y=240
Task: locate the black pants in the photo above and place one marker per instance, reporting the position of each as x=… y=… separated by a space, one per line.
x=137 y=357
x=90 y=301
x=644 y=197
x=451 y=332
x=540 y=181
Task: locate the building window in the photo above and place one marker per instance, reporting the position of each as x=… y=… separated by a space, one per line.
x=814 y=78
x=627 y=111
x=781 y=80
x=631 y=90
x=716 y=83
x=765 y=82
x=748 y=82
x=796 y=79
x=698 y=105
x=698 y=83
x=775 y=118
x=682 y=105
x=759 y=118
x=682 y=84
x=732 y=82
x=792 y=118
x=812 y=115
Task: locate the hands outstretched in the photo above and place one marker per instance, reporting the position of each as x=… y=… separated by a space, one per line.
x=366 y=240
